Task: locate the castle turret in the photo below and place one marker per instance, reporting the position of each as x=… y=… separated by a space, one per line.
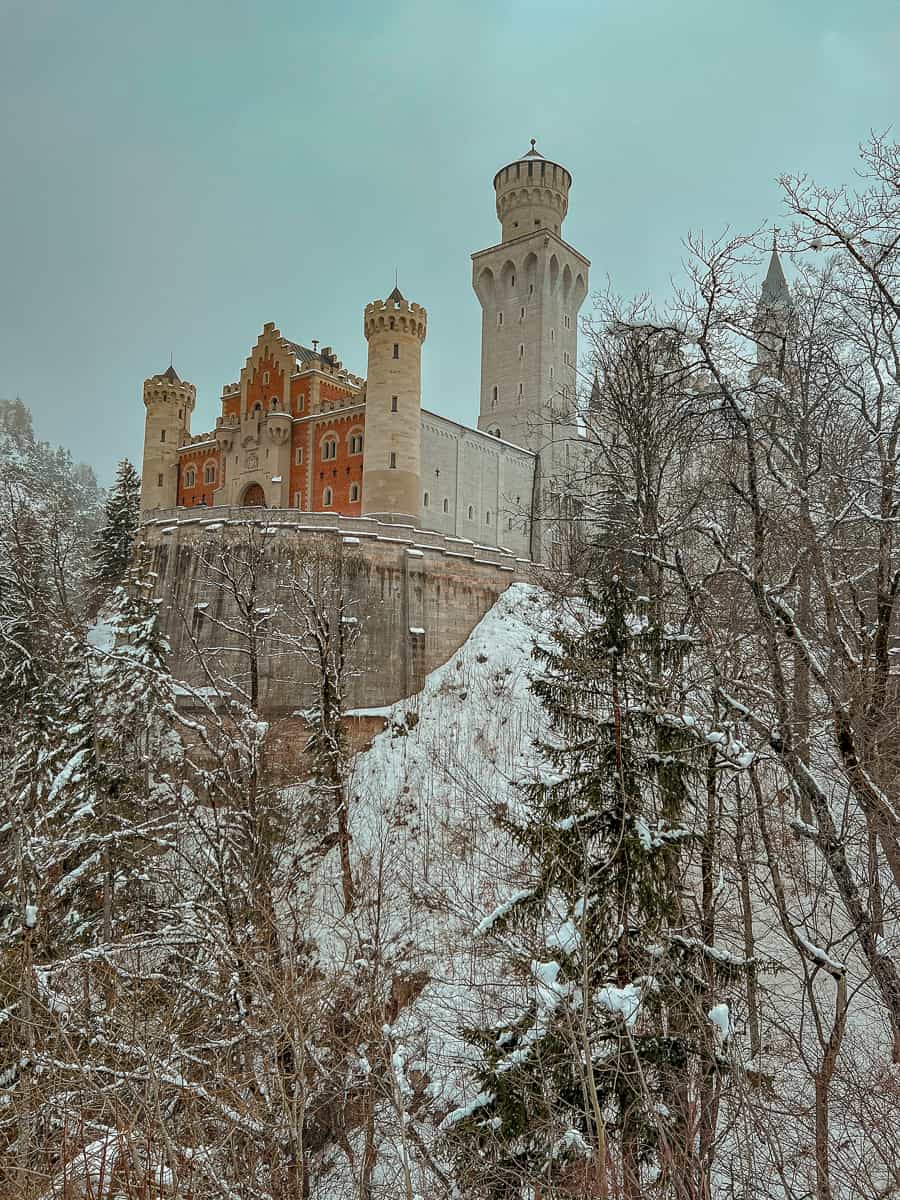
x=392 y=475
x=169 y=402
x=532 y=193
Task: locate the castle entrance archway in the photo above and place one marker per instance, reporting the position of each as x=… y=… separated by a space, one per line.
x=254 y=497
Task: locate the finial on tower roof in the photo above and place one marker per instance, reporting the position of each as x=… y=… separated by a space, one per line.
x=534 y=152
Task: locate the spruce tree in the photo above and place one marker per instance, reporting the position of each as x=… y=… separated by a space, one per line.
x=115 y=540
x=586 y=1084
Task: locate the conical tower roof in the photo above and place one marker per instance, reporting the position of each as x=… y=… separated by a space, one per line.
x=775 y=291
x=171 y=374
x=397 y=296
x=595 y=391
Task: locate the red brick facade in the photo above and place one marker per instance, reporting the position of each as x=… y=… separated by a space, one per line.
x=327 y=432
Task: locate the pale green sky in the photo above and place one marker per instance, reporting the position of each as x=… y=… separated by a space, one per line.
x=175 y=174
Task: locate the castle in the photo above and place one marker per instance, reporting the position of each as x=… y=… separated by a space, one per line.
x=298 y=431
x=429 y=519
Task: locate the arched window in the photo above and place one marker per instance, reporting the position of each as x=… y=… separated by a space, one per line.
x=446 y=505
x=356 y=442
x=471 y=513
x=499 y=318
x=273 y=404
x=521 y=350
x=495 y=396
x=354 y=492
x=487 y=517
x=162 y=435
x=394 y=403
x=393 y=462
x=298 y=456
x=329 y=448
x=265 y=376
x=509 y=522
x=327 y=497
x=426 y=500
x=209 y=473
x=190 y=477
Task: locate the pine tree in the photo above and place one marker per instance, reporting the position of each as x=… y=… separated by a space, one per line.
x=115 y=540
x=586 y=1084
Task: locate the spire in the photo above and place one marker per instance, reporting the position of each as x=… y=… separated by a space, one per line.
x=595 y=392
x=775 y=291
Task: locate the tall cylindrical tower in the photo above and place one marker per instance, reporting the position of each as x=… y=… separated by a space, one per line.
x=392 y=474
x=169 y=402
x=532 y=194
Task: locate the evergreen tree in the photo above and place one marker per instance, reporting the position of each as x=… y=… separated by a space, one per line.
x=115 y=540
x=589 y=1079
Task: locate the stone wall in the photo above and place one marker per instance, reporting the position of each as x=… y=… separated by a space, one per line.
x=412 y=597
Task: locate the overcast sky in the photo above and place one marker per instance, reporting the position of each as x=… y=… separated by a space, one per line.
x=175 y=174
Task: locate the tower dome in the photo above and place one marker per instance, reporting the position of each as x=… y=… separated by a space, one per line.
x=532 y=193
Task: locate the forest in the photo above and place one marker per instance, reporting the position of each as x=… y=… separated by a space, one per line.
x=610 y=909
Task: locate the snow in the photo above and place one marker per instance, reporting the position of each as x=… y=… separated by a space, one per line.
x=466 y=1110
x=721 y=1019
x=566 y=938
x=623 y=1002
x=820 y=957
x=31 y=915
x=549 y=989
x=101 y=636
x=417 y=630
x=501 y=910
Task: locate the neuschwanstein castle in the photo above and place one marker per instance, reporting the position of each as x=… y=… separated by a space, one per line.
x=299 y=431
x=430 y=519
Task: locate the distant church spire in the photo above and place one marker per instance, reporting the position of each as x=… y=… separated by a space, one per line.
x=595 y=393
x=775 y=292
x=775 y=320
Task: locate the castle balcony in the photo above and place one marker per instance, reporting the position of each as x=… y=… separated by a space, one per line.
x=278 y=424
x=226 y=431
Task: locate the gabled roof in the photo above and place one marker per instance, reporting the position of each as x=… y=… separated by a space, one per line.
x=303 y=354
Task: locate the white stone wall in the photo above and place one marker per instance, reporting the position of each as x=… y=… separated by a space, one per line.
x=471 y=470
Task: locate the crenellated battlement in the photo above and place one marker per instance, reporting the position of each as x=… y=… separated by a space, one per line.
x=169 y=389
x=396 y=314
x=532 y=193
